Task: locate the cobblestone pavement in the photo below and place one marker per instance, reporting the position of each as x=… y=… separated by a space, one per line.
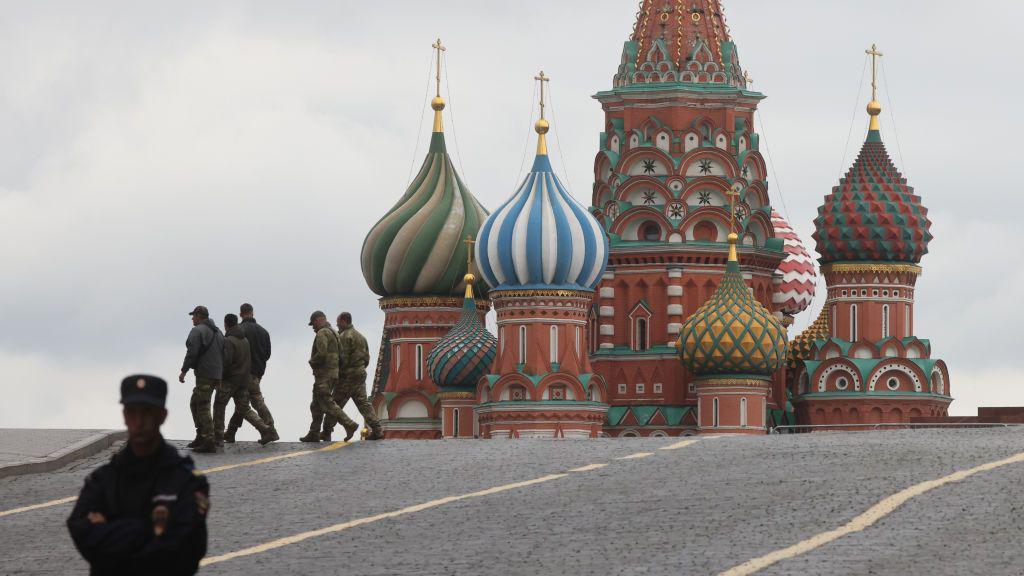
x=700 y=509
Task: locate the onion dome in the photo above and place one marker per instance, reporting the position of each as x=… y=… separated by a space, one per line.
x=800 y=347
x=417 y=248
x=872 y=216
x=542 y=238
x=466 y=353
x=732 y=334
x=795 y=291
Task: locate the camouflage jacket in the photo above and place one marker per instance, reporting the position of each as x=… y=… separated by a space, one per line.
x=324 y=357
x=355 y=354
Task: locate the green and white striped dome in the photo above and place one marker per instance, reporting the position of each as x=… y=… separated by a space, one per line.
x=418 y=248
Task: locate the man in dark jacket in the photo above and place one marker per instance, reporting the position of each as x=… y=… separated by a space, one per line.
x=145 y=511
x=235 y=385
x=205 y=355
x=259 y=352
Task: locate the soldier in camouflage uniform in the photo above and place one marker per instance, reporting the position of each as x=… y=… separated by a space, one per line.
x=235 y=385
x=355 y=357
x=205 y=356
x=324 y=362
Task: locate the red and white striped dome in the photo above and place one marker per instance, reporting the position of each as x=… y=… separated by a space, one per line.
x=796 y=278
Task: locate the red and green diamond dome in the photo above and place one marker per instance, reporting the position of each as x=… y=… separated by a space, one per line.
x=872 y=216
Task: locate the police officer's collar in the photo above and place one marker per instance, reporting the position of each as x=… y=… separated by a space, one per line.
x=166 y=455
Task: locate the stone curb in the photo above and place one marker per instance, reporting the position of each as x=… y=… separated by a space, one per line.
x=82 y=449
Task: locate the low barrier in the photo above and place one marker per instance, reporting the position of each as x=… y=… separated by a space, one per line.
x=889 y=425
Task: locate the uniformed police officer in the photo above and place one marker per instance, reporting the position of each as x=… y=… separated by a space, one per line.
x=324 y=362
x=145 y=511
x=355 y=357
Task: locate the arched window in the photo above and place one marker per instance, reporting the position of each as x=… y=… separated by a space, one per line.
x=419 y=361
x=908 y=330
x=455 y=422
x=714 y=413
x=885 y=321
x=743 y=412
x=554 y=344
x=501 y=338
x=641 y=334
x=650 y=232
x=593 y=344
x=522 y=344
x=835 y=321
x=853 y=323
x=578 y=335
x=398 y=357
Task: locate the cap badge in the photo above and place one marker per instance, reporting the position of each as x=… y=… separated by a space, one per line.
x=140 y=383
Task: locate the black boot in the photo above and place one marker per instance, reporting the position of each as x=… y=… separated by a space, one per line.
x=350 y=431
x=205 y=447
x=325 y=436
x=269 y=435
x=375 y=433
x=229 y=435
x=313 y=436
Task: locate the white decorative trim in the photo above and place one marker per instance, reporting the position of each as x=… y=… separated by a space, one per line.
x=607 y=330
x=899 y=368
x=675 y=309
x=607 y=292
x=675 y=273
x=675 y=290
x=675 y=328
x=822 y=380
x=607 y=346
x=607 y=312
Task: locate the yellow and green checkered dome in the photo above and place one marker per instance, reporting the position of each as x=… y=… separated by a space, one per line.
x=732 y=334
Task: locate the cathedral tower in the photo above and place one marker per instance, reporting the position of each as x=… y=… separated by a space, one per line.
x=861 y=362
x=678 y=136
x=415 y=259
x=542 y=254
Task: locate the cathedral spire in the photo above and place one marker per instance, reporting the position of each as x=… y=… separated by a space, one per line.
x=438 y=103
x=542 y=126
x=874 y=107
x=681 y=41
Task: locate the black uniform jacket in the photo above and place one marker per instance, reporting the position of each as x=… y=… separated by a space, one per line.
x=135 y=495
x=259 y=344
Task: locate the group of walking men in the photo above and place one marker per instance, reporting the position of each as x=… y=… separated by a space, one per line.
x=231 y=365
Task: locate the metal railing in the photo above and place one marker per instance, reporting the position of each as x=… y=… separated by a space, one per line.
x=889 y=425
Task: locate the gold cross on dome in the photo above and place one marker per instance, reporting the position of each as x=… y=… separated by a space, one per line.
x=875 y=55
x=469 y=250
x=439 y=48
x=542 y=79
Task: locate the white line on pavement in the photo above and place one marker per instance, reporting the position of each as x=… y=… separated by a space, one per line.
x=70 y=499
x=678 y=445
x=637 y=455
x=866 y=519
x=367 y=520
x=588 y=468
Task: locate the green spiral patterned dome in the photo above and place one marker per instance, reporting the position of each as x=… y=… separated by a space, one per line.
x=418 y=248
x=732 y=334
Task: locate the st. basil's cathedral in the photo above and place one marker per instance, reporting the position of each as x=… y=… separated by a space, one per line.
x=663 y=308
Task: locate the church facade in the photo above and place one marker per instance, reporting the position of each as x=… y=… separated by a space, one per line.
x=662 y=308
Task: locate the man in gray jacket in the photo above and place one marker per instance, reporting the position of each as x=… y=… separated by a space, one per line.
x=204 y=355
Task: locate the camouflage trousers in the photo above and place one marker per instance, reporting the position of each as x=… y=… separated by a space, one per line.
x=258 y=404
x=239 y=392
x=324 y=405
x=352 y=389
x=200 y=405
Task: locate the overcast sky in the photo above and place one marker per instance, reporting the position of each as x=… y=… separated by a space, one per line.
x=155 y=156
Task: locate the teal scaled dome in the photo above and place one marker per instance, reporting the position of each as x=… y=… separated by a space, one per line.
x=466 y=353
x=418 y=248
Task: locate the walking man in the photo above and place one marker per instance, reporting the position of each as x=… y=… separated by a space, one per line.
x=324 y=362
x=145 y=511
x=204 y=355
x=259 y=353
x=235 y=385
x=355 y=357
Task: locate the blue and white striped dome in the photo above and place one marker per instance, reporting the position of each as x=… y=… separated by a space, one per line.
x=542 y=238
